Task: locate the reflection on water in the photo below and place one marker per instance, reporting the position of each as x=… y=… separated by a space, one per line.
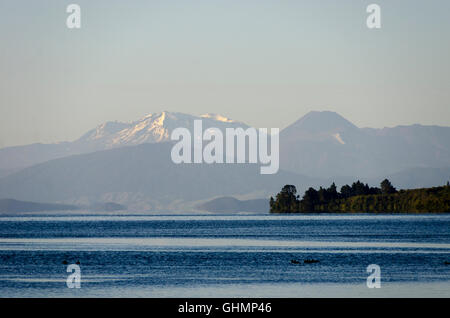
x=224 y=256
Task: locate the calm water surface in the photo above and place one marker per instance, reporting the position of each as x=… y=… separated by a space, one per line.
x=224 y=255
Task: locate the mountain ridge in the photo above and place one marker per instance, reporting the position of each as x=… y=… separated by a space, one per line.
x=152 y=128
x=137 y=171
x=140 y=177
x=342 y=149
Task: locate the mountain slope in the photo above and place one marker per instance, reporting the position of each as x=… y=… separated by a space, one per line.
x=415 y=178
x=232 y=205
x=325 y=144
x=152 y=128
x=321 y=144
x=141 y=177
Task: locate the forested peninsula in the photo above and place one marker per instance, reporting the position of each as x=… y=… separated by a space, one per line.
x=360 y=198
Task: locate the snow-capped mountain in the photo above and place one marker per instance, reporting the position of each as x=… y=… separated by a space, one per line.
x=319 y=148
x=320 y=144
x=153 y=128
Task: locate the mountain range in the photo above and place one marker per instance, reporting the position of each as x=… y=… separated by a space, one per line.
x=130 y=164
x=325 y=144
x=153 y=128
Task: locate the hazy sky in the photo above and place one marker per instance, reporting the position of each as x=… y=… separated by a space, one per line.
x=266 y=63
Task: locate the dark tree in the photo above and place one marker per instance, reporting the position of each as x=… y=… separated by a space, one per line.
x=374 y=190
x=332 y=192
x=358 y=188
x=310 y=198
x=289 y=190
x=386 y=187
x=346 y=191
x=286 y=201
x=272 y=203
x=322 y=193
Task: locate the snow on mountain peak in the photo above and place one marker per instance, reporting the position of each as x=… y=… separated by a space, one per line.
x=154 y=127
x=104 y=130
x=217 y=117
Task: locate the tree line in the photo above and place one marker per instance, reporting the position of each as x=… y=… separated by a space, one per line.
x=359 y=197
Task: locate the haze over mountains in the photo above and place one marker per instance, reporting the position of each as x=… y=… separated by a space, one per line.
x=325 y=144
x=130 y=164
x=152 y=128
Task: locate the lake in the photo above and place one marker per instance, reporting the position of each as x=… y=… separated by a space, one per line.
x=224 y=255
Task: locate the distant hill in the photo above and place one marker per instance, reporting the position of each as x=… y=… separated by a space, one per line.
x=414 y=178
x=324 y=144
x=141 y=177
x=230 y=204
x=12 y=206
x=153 y=128
x=16 y=206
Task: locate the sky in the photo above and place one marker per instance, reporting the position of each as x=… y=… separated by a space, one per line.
x=263 y=62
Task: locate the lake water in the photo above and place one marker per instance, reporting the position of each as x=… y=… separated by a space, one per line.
x=224 y=255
